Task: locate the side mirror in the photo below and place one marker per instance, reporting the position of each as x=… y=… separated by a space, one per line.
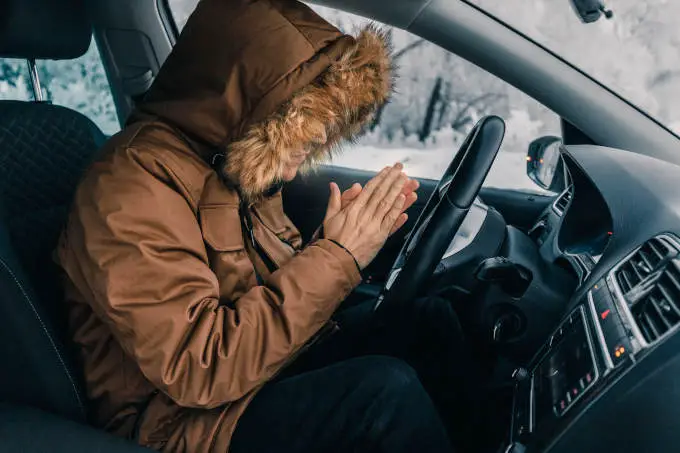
x=545 y=166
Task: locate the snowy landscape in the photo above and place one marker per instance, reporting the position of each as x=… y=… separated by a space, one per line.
x=439 y=95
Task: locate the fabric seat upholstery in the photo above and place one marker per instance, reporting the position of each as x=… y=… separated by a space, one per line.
x=44 y=150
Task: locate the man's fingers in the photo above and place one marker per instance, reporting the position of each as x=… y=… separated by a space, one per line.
x=371 y=185
x=410 y=199
x=401 y=221
x=386 y=192
x=396 y=210
x=393 y=192
x=403 y=217
x=410 y=186
x=350 y=194
x=334 y=201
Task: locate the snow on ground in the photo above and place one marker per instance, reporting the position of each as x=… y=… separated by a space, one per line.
x=508 y=172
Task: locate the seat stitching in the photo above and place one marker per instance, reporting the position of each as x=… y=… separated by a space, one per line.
x=49 y=337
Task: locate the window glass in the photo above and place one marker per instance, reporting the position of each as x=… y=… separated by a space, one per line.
x=438 y=99
x=181 y=10
x=635 y=53
x=14 y=81
x=79 y=84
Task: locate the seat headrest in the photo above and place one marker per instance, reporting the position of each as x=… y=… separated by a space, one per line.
x=44 y=29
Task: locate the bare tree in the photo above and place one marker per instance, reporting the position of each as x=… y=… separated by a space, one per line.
x=395 y=58
x=407 y=48
x=435 y=100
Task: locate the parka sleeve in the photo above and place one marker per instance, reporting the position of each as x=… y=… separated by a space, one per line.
x=134 y=248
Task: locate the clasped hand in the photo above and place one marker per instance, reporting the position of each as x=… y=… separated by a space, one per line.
x=361 y=219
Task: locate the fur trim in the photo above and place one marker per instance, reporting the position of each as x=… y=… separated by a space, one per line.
x=319 y=117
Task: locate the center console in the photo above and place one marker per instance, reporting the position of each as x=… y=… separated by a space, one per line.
x=566 y=371
x=620 y=317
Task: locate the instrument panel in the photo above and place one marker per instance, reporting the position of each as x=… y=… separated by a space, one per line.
x=614 y=355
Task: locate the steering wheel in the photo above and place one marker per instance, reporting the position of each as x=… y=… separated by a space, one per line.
x=444 y=212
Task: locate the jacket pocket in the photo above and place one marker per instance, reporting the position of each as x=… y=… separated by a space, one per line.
x=226 y=250
x=221 y=227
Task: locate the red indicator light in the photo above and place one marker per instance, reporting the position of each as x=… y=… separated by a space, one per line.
x=589 y=377
x=604 y=314
x=574 y=391
x=609 y=233
x=562 y=404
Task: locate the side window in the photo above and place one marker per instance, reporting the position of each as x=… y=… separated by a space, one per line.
x=79 y=84
x=181 y=10
x=438 y=99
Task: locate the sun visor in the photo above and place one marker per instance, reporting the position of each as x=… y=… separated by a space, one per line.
x=44 y=29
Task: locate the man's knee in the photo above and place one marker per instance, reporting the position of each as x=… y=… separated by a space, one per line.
x=387 y=377
x=396 y=411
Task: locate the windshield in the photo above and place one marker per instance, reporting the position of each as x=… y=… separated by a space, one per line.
x=635 y=54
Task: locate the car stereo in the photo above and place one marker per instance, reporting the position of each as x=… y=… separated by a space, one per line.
x=566 y=371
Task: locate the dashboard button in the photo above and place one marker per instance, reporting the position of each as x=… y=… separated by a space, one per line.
x=598 y=287
x=620 y=350
x=603 y=302
x=618 y=343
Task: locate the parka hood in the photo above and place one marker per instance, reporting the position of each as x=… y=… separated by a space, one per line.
x=260 y=80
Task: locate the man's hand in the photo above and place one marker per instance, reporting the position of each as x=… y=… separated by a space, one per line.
x=409 y=192
x=363 y=225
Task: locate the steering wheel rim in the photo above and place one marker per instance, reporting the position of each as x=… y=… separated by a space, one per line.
x=444 y=212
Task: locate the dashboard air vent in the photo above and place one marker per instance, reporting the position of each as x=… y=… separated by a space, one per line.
x=650 y=283
x=563 y=201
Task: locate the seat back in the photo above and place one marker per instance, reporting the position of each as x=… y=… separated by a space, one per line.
x=44 y=150
x=36 y=368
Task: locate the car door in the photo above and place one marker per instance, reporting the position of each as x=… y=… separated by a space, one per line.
x=438 y=98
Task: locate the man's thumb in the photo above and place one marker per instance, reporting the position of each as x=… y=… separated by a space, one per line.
x=334 y=202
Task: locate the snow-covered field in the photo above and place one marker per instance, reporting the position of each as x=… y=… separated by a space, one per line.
x=508 y=172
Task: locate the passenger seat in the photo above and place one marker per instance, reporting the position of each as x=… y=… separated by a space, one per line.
x=44 y=150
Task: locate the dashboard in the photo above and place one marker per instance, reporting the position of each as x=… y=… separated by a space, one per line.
x=606 y=379
x=578 y=229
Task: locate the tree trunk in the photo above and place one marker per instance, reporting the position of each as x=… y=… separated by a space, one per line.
x=376 y=117
x=431 y=108
x=395 y=57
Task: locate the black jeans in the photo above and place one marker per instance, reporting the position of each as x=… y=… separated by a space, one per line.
x=400 y=382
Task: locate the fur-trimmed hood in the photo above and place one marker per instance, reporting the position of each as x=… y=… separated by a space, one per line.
x=260 y=80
